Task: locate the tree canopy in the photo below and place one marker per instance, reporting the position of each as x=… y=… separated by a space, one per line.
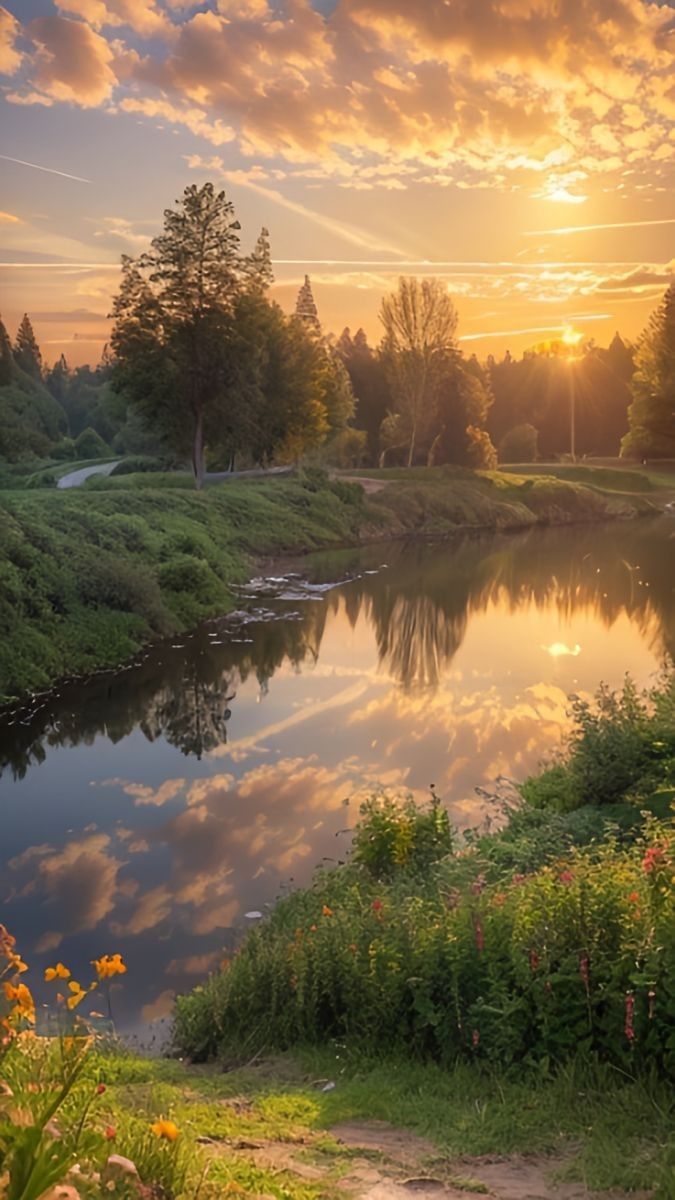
x=652 y=414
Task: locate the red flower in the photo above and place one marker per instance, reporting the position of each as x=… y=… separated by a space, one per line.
x=100 y=1089
x=628 y=1026
x=565 y=877
x=518 y=879
x=110 y=1132
x=377 y=906
x=534 y=960
x=652 y=859
x=634 y=897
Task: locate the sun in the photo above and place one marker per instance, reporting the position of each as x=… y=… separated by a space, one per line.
x=571 y=336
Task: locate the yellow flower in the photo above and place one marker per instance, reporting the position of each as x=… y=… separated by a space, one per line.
x=166 y=1129
x=24 y=1005
x=57 y=972
x=109 y=965
x=77 y=996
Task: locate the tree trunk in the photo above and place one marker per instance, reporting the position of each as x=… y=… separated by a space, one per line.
x=198 y=453
x=411 y=450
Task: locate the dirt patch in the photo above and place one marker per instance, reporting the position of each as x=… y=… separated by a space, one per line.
x=436 y=1178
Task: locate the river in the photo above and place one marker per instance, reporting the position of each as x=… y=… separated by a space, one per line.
x=149 y=810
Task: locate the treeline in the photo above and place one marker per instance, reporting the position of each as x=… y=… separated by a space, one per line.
x=204 y=367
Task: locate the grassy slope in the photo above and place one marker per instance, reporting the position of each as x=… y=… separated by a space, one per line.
x=89 y=575
x=612 y=1131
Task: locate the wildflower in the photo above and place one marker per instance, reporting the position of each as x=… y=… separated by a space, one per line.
x=57 y=972
x=313 y=928
x=518 y=879
x=475 y=1039
x=110 y=1132
x=565 y=877
x=480 y=937
x=534 y=960
x=499 y=899
x=653 y=859
x=628 y=1025
x=109 y=965
x=165 y=1129
x=326 y=911
x=100 y=1088
x=377 y=906
x=19 y=994
x=633 y=897
x=78 y=994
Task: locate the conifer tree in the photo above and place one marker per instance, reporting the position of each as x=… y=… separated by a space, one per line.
x=26 y=350
x=259 y=265
x=306 y=310
x=6 y=357
x=652 y=414
x=58 y=379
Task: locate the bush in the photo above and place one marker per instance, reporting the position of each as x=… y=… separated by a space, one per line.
x=519 y=445
x=90 y=445
x=480 y=453
x=577 y=957
x=140 y=464
x=621 y=745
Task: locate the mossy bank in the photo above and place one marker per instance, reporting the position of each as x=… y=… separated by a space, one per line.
x=88 y=576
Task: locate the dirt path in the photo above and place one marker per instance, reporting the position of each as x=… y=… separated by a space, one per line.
x=371 y=1160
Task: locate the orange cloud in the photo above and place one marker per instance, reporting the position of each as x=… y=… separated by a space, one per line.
x=71 y=62
x=10 y=57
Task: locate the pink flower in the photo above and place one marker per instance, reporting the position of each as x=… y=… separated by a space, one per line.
x=628 y=1026
x=652 y=859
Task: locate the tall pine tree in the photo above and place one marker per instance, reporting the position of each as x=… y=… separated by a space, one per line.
x=306 y=310
x=26 y=350
x=6 y=357
x=651 y=416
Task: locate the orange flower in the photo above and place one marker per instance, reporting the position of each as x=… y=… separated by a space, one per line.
x=24 y=1005
x=78 y=994
x=327 y=912
x=634 y=897
x=109 y=965
x=166 y=1129
x=57 y=972
x=110 y=1132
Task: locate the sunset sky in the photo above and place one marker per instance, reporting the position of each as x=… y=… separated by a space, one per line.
x=524 y=150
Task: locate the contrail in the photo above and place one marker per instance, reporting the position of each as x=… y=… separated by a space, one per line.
x=49 y=170
x=590 y=228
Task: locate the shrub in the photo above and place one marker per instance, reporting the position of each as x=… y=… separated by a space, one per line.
x=90 y=445
x=623 y=744
x=575 y=957
x=519 y=445
x=480 y=453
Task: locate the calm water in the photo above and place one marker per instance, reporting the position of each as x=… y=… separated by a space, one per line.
x=149 y=811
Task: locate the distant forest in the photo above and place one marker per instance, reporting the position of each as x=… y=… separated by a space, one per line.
x=216 y=373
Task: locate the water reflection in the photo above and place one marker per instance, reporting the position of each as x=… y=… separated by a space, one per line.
x=174 y=796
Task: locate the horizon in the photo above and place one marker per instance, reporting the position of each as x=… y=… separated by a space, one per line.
x=525 y=158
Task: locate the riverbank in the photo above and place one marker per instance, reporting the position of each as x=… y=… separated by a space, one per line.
x=90 y=575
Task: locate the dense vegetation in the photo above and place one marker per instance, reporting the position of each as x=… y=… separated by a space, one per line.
x=551 y=938
x=88 y=576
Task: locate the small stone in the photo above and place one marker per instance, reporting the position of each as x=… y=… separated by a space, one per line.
x=117 y=1165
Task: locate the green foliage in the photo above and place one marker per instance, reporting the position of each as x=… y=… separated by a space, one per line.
x=26 y=350
x=90 y=445
x=573 y=958
x=621 y=746
x=395 y=835
x=519 y=445
x=652 y=413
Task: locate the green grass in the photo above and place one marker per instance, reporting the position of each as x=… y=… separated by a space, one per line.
x=613 y=1131
x=89 y=575
x=612 y=479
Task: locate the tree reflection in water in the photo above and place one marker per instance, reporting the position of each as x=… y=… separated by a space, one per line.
x=418 y=607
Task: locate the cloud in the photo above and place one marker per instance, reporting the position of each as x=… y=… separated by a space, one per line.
x=10 y=57
x=7 y=218
x=72 y=63
x=383 y=93
x=38 y=167
x=79 y=883
x=565 y=229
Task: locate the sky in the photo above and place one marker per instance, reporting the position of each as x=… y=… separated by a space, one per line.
x=522 y=150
